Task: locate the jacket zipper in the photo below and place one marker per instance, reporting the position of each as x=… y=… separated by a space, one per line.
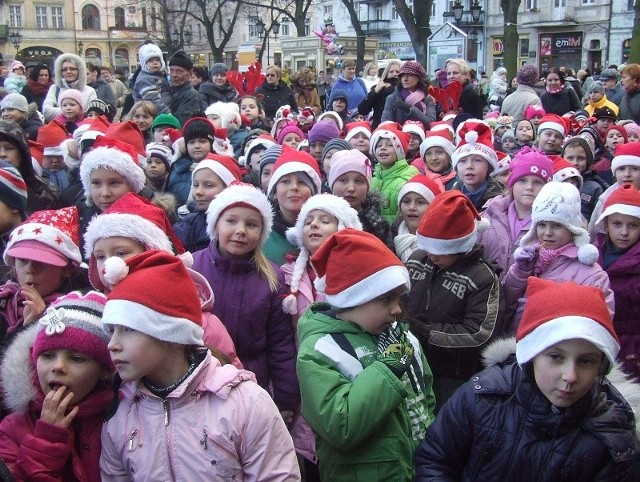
x=132 y=437
x=165 y=409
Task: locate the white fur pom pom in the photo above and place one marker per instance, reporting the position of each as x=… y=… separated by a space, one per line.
x=471 y=137
x=115 y=270
x=290 y=304
x=483 y=225
x=292 y=236
x=320 y=283
x=588 y=254
x=187 y=259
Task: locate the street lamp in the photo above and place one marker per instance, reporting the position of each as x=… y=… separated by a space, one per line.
x=263 y=32
x=471 y=21
x=15 y=39
x=80 y=48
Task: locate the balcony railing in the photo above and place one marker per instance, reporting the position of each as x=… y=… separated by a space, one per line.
x=376 y=27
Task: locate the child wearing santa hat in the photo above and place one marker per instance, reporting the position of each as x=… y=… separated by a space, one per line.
x=474 y=160
x=44 y=254
x=551 y=133
x=359 y=136
x=626 y=170
x=435 y=158
x=415 y=129
x=556 y=248
x=350 y=178
x=133 y=225
x=208 y=179
x=295 y=177
x=56 y=380
x=509 y=214
x=455 y=303
x=388 y=148
x=176 y=397
x=613 y=137
x=366 y=386
x=414 y=199
x=620 y=257
x=249 y=290
x=550 y=409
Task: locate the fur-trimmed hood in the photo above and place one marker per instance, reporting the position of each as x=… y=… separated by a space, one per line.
x=17 y=373
x=79 y=84
x=500 y=350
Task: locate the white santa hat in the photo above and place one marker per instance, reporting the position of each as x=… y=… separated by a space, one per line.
x=228 y=112
x=347 y=218
x=624 y=200
x=559 y=202
x=440 y=138
x=476 y=138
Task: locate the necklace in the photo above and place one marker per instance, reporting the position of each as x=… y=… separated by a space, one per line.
x=162 y=392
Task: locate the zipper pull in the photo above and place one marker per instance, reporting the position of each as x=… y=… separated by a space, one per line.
x=203 y=442
x=131 y=437
x=166 y=412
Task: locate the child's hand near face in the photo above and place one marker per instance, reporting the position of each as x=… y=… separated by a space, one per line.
x=34 y=305
x=55 y=406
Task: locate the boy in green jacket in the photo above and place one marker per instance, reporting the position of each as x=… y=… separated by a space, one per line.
x=365 y=384
x=389 y=147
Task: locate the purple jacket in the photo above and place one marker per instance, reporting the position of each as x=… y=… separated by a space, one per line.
x=497 y=241
x=624 y=276
x=565 y=267
x=262 y=332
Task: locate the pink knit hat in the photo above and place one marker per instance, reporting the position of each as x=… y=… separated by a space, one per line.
x=530 y=162
x=351 y=160
x=288 y=129
x=74 y=321
x=73 y=94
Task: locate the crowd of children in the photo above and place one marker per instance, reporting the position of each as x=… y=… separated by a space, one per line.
x=324 y=300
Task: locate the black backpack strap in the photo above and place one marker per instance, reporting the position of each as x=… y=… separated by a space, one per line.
x=343 y=343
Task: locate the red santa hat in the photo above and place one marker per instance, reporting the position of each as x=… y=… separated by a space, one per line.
x=442 y=126
x=224 y=166
x=373 y=269
x=399 y=139
x=626 y=155
x=441 y=138
x=557 y=312
x=48 y=236
x=347 y=218
x=563 y=170
x=117 y=156
x=153 y=293
x=554 y=122
x=504 y=163
x=51 y=135
x=129 y=133
x=414 y=127
x=354 y=128
x=624 y=200
x=450 y=225
x=424 y=186
x=291 y=161
x=240 y=194
x=476 y=139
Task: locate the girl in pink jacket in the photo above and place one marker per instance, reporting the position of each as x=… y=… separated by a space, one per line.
x=509 y=215
x=555 y=248
x=132 y=225
x=56 y=379
x=181 y=415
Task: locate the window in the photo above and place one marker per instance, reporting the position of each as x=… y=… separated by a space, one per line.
x=524 y=47
x=199 y=29
x=630 y=5
x=284 y=28
x=559 y=3
x=307 y=27
x=119 y=14
x=587 y=2
x=15 y=15
x=394 y=12
x=433 y=9
x=253 y=29
x=56 y=17
x=379 y=13
x=41 y=16
x=327 y=13
x=154 y=15
x=532 y=5
x=90 y=17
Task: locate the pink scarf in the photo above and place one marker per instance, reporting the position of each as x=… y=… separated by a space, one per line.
x=554 y=91
x=547 y=256
x=414 y=98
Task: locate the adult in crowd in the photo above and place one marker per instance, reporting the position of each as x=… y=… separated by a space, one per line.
x=103 y=90
x=378 y=94
x=219 y=89
x=559 y=97
x=118 y=87
x=70 y=73
x=612 y=88
x=370 y=75
x=411 y=99
x=323 y=85
x=274 y=93
x=305 y=91
x=471 y=101
x=348 y=82
x=185 y=100
x=38 y=83
x=525 y=95
x=199 y=74
x=630 y=102
x=573 y=81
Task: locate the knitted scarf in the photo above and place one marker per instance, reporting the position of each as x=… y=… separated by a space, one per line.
x=414 y=98
x=554 y=91
x=547 y=256
x=37 y=88
x=405 y=243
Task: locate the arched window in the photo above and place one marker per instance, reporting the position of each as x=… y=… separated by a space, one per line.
x=93 y=55
x=90 y=17
x=119 y=14
x=122 y=58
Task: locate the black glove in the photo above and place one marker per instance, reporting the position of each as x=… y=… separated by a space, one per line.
x=395 y=349
x=402 y=105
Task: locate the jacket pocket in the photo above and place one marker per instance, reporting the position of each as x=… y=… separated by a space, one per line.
x=222 y=455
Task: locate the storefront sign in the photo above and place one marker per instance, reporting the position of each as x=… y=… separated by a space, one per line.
x=558 y=44
x=498 y=46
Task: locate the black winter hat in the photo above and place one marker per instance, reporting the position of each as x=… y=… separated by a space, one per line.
x=198 y=128
x=181 y=59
